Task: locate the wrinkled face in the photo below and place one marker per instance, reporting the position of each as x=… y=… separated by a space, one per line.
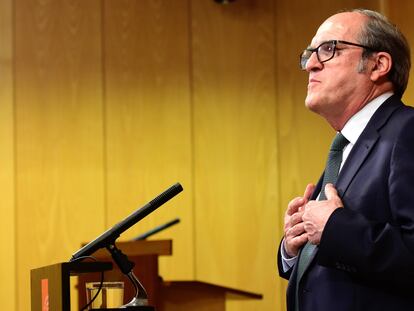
x=336 y=87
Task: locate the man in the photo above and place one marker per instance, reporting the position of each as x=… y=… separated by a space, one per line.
x=353 y=242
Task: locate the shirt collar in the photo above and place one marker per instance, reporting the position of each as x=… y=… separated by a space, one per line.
x=356 y=124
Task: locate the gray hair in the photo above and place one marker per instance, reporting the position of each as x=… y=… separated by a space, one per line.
x=382 y=36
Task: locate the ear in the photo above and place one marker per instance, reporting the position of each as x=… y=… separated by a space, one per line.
x=381 y=64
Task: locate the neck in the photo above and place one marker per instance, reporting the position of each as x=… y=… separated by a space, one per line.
x=339 y=120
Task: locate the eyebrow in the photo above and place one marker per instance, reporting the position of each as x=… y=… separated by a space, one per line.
x=330 y=40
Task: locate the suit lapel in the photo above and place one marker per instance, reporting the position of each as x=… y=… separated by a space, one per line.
x=365 y=143
x=358 y=155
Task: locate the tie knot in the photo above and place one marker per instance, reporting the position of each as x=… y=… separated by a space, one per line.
x=339 y=142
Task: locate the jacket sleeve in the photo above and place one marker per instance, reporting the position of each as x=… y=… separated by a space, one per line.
x=282 y=273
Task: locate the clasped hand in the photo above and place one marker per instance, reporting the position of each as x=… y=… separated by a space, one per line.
x=305 y=219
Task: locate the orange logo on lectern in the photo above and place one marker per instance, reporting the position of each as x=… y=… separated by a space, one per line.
x=45 y=295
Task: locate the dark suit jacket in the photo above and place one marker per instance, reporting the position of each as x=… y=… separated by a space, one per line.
x=365 y=260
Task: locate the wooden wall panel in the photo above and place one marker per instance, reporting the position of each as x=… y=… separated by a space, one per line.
x=115 y=100
x=59 y=141
x=148 y=117
x=7 y=194
x=235 y=147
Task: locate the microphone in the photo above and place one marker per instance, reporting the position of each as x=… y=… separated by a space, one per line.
x=157 y=229
x=113 y=233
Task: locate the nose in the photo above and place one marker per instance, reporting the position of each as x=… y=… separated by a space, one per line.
x=313 y=63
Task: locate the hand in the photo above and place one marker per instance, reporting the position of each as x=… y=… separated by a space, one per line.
x=295 y=234
x=317 y=213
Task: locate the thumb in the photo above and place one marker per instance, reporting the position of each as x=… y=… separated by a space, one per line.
x=330 y=192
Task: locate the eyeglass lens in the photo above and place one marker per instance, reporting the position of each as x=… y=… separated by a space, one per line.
x=324 y=52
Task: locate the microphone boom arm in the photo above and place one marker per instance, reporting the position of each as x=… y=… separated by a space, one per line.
x=113 y=233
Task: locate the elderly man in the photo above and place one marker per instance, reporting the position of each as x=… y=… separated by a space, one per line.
x=349 y=241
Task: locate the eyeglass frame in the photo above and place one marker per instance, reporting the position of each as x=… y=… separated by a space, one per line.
x=334 y=42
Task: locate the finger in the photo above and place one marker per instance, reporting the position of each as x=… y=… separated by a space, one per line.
x=294 y=205
x=295 y=230
x=299 y=240
x=293 y=245
x=309 y=227
x=308 y=191
x=330 y=192
x=296 y=218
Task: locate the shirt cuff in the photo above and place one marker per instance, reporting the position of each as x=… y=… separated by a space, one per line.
x=287 y=261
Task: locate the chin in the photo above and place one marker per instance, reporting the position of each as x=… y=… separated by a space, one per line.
x=311 y=104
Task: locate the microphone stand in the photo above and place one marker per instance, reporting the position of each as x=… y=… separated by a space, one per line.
x=140 y=301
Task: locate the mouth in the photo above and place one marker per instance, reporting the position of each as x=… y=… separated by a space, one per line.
x=313 y=82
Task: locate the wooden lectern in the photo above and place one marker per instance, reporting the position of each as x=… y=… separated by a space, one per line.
x=164 y=295
x=200 y=296
x=50 y=285
x=167 y=295
x=145 y=256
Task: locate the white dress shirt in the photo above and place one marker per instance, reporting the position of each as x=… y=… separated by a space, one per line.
x=352 y=130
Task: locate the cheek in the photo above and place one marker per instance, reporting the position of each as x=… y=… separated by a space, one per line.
x=334 y=88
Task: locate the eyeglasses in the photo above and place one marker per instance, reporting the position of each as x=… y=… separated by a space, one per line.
x=325 y=51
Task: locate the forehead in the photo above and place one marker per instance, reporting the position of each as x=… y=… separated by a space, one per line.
x=343 y=26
